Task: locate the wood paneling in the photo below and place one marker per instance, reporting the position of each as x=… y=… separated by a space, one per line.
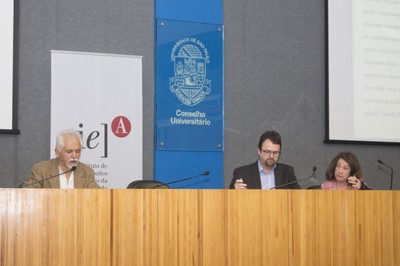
x=55 y=227
x=199 y=227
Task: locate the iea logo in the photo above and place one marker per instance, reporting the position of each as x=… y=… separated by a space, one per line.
x=121 y=126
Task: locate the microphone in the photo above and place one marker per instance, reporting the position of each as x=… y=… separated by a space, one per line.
x=184 y=179
x=300 y=180
x=73 y=168
x=205 y=180
x=391 y=172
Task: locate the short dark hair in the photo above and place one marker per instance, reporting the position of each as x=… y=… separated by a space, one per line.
x=351 y=159
x=272 y=135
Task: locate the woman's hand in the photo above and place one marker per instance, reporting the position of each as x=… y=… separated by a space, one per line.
x=354 y=182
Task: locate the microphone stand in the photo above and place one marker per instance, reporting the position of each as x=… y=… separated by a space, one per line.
x=297 y=181
x=391 y=172
x=73 y=168
x=181 y=180
x=206 y=180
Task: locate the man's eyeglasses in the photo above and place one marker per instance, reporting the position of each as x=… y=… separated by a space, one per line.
x=268 y=153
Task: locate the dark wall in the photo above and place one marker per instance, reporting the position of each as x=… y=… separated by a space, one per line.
x=99 y=26
x=274 y=79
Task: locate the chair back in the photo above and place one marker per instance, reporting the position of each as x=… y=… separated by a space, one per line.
x=314 y=187
x=147 y=184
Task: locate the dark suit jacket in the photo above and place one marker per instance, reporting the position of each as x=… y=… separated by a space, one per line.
x=284 y=174
x=83 y=176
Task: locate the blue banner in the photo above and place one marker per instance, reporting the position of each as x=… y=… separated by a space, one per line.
x=189 y=91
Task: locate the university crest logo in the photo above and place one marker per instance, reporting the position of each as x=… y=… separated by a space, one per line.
x=190 y=83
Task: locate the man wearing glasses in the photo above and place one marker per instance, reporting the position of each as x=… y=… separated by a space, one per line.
x=266 y=173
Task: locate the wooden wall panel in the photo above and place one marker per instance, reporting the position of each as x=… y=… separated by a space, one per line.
x=275 y=232
x=212 y=224
x=322 y=234
x=343 y=228
x=55 y=227
x=302 y=224
x=244 y=227
x=191 y=227
x=188 y=228
x=257 y=227
x=396 y=227
x=199 y=227
x=376 y=234
x=386 y=225
x=167 y=228
x=134 y=227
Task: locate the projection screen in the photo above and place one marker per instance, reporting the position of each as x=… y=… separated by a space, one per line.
x=363 y=71
x=7 y=104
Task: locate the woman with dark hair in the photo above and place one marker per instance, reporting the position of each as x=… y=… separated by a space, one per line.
x=344 y=172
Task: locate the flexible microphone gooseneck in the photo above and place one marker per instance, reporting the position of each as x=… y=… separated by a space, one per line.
x=73 y=168
x=205 y=180
x=184 y=179
x=391 y=172
x=300 y=180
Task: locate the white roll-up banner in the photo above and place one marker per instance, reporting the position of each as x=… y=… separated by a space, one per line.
x=100 y=96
